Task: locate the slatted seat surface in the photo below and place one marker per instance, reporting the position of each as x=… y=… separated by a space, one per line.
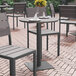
x=6 y=9
x=73 y=34
x=45 y=32
x=15 y=15
x=68 y=21
x=15 y=52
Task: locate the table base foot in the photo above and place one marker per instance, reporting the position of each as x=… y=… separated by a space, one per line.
x=44 y=66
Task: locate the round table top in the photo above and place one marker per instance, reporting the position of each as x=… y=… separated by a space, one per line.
x=39 y=20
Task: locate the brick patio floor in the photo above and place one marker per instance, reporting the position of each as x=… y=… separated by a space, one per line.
x=64 y=65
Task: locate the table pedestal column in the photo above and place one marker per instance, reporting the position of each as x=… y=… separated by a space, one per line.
x=41 y=65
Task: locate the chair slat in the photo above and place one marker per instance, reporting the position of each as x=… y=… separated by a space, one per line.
x=21 y=53
x=12 y=50
x=3 y=47
x=8 y=49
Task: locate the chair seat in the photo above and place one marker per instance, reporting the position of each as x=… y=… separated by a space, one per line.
x=68 y=21
x=73 y=34
x=15 y=15
x=15 y=52
x=44 y=32
x=8 y=9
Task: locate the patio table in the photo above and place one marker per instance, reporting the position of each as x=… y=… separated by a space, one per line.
x=3 y=6
x=41 y=65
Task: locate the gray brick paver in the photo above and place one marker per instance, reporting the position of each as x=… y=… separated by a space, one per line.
x=53 y=73
x=64 y=66
x=74 y=59
x=58 y=62
x=74 y=74
x=61 y=64
x=57 y=74
x=71 y=71
x=68 y=69
x=50 y=71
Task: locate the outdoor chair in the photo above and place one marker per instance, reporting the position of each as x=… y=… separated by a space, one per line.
x=43 y=33
x=11 y=52
x=30 y=12
x=67 y=15
x=8 y=9
x=19 y=10
x=52 y=15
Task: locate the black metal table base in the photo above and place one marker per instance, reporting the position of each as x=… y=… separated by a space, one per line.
x=44 y=66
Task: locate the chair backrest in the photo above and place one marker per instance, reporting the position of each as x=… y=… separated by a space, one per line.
x=30 y=12
x=4 y=1
x=19 y=7
x=52 y=10
x=41 y=10
x=67 y=11
x=4 y=26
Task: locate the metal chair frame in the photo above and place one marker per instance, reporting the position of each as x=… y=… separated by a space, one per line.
x=18 y=11
x=52 y=15
x=67 y=14
x=11 y=52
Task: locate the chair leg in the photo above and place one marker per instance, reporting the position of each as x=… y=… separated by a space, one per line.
x=54 y=26
x=47 y=40
x=67 y=30
x=7 y=17
x=27 y=35
x=58 y=49
x=47 y=43
x=12 y=67
x=59 y=27
x=41 y=47
x=24 y=25
x=10 y=41
x=51 y=25
x=16 y=21
x=13 y=24
x=34 y=64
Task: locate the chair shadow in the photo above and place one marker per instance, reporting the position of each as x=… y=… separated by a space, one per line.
x=16 y=30
x=67 y=41
x=41 y=73
x=48 y=57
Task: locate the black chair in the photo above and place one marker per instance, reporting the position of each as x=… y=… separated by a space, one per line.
x=43 y=33
x=52 y=15
x=19 y=10
x=10 y=51
x=67 y=15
